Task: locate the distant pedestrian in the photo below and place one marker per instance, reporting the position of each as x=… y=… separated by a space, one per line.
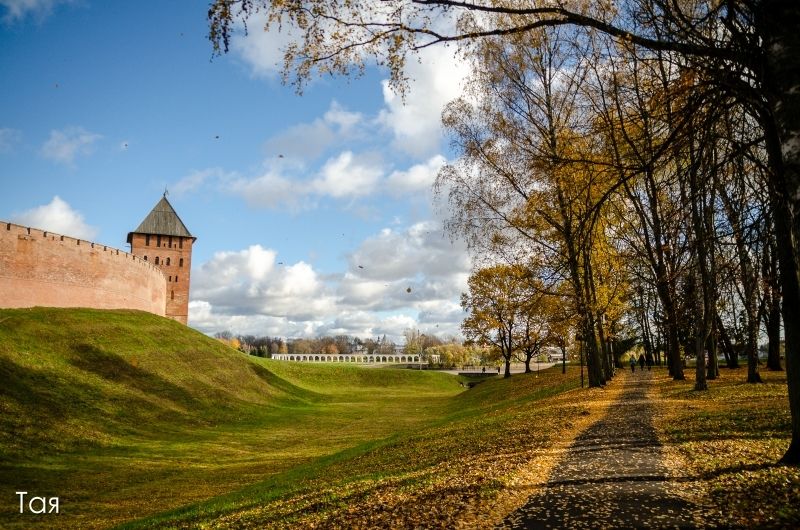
x=633 y=364
x=484 y=370
x=641 y=361
x=650 y=362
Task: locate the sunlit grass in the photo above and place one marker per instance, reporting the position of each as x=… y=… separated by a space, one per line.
x=124 y=415
x=727 y=441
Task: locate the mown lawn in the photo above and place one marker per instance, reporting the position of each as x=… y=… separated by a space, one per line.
x=725 y=444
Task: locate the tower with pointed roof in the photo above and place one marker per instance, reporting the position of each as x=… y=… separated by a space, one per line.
x=163 y=240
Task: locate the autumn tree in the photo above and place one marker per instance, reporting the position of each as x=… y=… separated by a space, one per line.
x=744 y=49
x=494 y=303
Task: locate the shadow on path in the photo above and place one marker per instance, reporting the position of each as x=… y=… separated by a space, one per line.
x=612 y=476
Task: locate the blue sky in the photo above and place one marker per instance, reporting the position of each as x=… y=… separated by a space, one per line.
x=313 y=213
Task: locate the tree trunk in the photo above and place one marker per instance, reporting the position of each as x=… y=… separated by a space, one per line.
x=711 y=346
x=731 y=358
x=774 y=336
x=772 y=315
x=777 y=22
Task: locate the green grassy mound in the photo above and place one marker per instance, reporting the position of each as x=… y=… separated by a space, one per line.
x=94 y=378
x=124 y=416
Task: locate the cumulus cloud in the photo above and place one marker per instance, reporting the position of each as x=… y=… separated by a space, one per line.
x=250 y=282
x=417 y=178
x=8 y=139
x=65 y=145
x=348 y=175
x=274 y=189
x=59 y=217
x=415 y=123
x=285 y=183
x=395 y=280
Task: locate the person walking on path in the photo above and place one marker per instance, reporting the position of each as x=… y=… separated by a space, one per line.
x=641 y=361
x=650 y=362
x=633 y=364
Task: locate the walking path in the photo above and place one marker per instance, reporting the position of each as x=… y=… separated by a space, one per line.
x=612 y=476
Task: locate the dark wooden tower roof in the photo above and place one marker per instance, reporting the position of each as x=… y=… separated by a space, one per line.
x=162 y=220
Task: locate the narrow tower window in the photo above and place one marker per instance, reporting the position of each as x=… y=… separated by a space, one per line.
x=156 y=260
x=180 y=242
x=180 y=263
x=167 y=261
x=170 y=241
x=145 y=258
x=147 y=240
x=158 y=241
x=172 y=295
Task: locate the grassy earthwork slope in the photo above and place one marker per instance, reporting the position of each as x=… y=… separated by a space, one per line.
x=123 y=414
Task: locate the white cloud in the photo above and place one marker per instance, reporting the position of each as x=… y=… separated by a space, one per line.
x=417 y=178
x=284 y=186
x=59 y=217
x=306 y=141
x=8 y=139
x=348 y=175
x=274 y=189
x=262 y=50
x=436 y=79
x=248 y=291
x=19 y=9
x=196 y=179
x=343 y=118
x=250 y=282
x=65 y=145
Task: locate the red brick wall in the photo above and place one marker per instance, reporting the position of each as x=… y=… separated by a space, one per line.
x=45 y=269
x=169 y=250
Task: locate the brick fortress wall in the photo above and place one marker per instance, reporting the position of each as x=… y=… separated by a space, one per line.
x=173 y=255
x=39 y=268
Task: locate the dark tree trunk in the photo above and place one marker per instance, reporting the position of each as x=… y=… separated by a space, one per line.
x=777 y=22
x=772 y=313
x=774 y=336
x=711 y=346
x=731 y=357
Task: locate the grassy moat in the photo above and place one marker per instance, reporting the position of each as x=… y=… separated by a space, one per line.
x=131 y=419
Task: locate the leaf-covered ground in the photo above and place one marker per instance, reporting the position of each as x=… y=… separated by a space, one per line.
x=497 y=445
x=725 y=444
x=613 y=475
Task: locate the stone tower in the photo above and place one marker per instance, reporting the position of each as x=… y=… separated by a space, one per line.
x=163 y=240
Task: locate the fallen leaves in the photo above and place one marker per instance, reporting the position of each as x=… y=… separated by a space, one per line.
x=725 y=443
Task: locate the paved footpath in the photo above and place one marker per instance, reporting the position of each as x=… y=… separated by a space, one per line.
x=612 y=476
